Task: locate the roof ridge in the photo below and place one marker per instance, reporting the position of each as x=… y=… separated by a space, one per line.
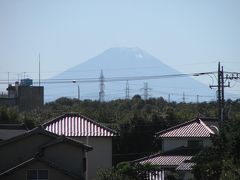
x=201 y=129
x=177 y=126
x=15 y=126
x=97 y=123
x=78 y=115
x=38 y=129
x=63 y=138
x=44 y=160
x=202 y=123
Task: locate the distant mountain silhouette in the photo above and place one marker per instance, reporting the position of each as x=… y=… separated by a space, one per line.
x=127 y=62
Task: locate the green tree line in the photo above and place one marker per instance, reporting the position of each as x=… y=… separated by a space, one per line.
x=136 y=120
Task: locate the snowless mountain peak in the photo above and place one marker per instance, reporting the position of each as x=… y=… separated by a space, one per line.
x=126 y=62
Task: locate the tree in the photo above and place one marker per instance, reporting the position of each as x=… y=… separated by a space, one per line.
x=221 y=161
x=126 y=171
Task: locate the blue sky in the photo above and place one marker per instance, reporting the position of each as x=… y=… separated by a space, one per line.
x=189 y=35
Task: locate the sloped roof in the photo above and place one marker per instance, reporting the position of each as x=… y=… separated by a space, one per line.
x=172 y=158
x=36 y=130
x=43 y=160
x=186 y=166
x=162 y=160
x=10 y=130
x=74 y=124
x=41 y=130
x=64 y=139
x=194 y=128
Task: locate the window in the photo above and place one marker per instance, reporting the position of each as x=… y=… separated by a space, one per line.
x=32 y=175
x=37 y=174
x=43 y=174
x=195 y=143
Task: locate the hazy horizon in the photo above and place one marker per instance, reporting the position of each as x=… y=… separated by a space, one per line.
x=190 y=36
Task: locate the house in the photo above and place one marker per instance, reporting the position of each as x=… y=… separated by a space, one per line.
x=81 y=128
x=180 y=144
x=10 y=130
x=40 y=154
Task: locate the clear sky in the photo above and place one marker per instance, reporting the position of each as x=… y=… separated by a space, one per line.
x=189 y=35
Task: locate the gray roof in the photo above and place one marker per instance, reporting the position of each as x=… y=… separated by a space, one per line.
x=63 y=139
x=43 y=160
x=8 y=131
x=41 y=130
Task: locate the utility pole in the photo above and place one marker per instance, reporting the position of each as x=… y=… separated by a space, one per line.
x=220 y=92
x=127 y=91
x=183 y=97
x=169 y=98
x=101 y=92
x=74 y=81
x=197 y=99
x=8 y=78
x=39 y=70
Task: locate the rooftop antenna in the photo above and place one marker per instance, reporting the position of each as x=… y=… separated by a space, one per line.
x=39 y=70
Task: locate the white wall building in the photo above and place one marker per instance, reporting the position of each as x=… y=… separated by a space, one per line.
x=90 y=132
x=179 y=144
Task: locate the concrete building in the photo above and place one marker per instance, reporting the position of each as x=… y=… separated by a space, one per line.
x=79 y=127
x=39 y=154
x=24 y=96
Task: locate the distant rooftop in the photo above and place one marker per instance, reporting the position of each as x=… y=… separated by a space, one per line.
x=199 y=127
x=171 y=159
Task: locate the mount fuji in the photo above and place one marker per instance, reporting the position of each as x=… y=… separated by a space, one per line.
x=123 y=64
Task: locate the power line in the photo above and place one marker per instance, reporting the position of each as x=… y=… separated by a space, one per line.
x=111 y=79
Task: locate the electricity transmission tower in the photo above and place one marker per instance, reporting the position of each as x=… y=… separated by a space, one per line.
x=101 y=92
x=127 y=91
x=146 y=91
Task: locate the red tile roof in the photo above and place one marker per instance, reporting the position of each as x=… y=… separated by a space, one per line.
x=194 y=128
x=73 y=124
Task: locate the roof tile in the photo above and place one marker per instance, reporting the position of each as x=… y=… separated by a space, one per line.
x=194 y=128
x=77 y=125
x=162 y=160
